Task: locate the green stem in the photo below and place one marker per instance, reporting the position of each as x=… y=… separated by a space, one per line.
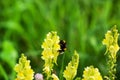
x=62 y=67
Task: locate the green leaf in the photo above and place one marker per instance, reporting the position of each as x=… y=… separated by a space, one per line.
x=9 y=53
x=3 y=73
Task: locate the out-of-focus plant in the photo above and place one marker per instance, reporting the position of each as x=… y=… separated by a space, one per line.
x=8 y=52
x=111 y=42
x=38 y=76
x=23 y=69
x=71 y=69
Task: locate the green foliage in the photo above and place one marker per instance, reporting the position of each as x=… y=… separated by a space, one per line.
x=9 y=56
x=82 y=23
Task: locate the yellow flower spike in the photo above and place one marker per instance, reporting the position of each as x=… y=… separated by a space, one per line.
x=91 y=73
x=51 y=46
x=71 y=69
x=50 y=52
x=23 y=69
x=111 y=40
x=112 y=47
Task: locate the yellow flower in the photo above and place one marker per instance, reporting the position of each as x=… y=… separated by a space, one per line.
x=71 y=69
x=91 y=73
x=55 y=77
x=111 y=41
x=23 y=69
x=50 y=51
x=51 y=46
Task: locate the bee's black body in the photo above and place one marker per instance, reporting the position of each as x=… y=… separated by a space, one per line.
x=62 y=44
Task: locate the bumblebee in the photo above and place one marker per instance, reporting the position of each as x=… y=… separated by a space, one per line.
x=62 y=44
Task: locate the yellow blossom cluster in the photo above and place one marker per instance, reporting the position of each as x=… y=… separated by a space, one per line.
x=111 y=42
x=91 y=73
x=23 y=69
x=50 y=51
x=71 y=69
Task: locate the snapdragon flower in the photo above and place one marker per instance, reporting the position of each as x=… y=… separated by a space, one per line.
x=111 y=42
x=91 y=73
x=23 y=69
x=112 y=47
x=71 y=69
x=50 y=52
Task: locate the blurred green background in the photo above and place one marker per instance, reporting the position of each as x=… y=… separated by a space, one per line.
x=81 y=23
